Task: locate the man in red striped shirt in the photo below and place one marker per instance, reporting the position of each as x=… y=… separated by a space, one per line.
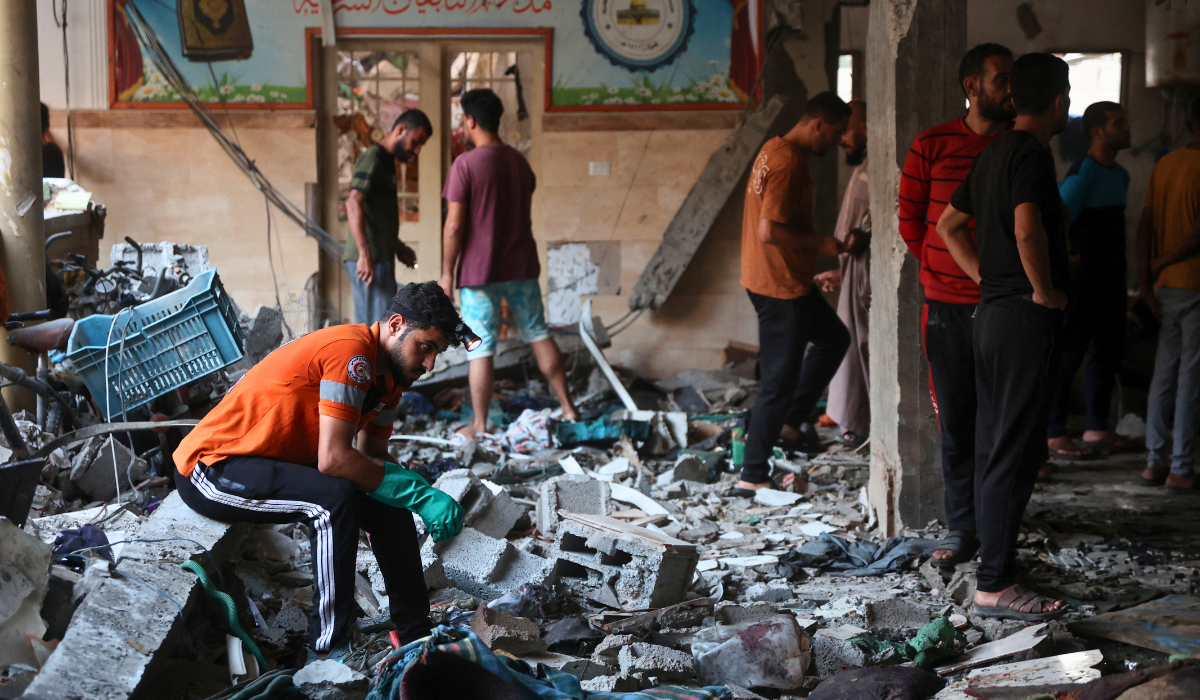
x=938 y=161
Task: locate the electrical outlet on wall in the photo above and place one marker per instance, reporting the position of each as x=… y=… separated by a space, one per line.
x=599 y=168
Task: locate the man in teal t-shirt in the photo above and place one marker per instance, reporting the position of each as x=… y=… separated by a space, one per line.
x=373 y=211
x=1094 y=191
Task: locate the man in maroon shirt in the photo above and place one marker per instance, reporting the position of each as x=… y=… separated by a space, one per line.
x=488 y=244
x=938 y=161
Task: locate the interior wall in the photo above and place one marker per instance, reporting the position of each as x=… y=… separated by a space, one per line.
x=169 y=183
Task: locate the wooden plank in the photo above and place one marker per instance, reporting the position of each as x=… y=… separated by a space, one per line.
x=1051 y=671
x=1011 y=645
x=1170 y=624
x=699 y=210
x=617 y=527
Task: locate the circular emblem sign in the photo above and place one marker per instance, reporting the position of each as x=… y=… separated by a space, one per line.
x=639 y=34
x=359 y=369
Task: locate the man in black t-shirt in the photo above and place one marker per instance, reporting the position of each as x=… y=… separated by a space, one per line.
x=1022 y=269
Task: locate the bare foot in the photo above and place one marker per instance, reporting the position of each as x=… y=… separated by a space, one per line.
x=570 y=415
x=470 y=430
x=753 y=487
x=1064 y=447
x=789 y=433
x=942 y=554
x=986 y=599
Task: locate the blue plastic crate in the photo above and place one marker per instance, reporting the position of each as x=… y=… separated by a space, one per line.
x=158 y=346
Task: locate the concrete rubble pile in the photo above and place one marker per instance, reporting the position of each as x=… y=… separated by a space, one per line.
x=617 y=560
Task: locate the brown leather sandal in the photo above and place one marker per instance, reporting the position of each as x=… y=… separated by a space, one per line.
x=1016 y=603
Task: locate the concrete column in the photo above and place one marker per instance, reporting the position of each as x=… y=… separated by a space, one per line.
x=913 y=51
x=22 y=254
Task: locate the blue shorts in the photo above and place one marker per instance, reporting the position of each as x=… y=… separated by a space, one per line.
x=481 y=311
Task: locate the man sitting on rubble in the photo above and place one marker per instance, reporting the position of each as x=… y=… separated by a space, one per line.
x=280 y=448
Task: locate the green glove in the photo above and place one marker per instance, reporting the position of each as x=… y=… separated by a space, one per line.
x=404 y=488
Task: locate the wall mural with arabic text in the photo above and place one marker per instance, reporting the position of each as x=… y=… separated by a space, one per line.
x=607 y=54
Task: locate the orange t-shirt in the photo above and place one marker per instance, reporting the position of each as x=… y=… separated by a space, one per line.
x=274 y=411
x=780 y=190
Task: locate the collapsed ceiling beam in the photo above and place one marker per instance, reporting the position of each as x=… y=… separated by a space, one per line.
x=698 y=212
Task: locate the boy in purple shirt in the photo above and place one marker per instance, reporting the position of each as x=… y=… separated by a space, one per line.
x=488 y=242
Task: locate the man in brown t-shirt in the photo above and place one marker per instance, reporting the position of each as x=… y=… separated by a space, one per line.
x=780 y=246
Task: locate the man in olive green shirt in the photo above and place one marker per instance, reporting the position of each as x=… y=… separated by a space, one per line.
x=374 y=215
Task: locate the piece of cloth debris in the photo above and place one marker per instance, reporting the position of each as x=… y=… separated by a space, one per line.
x=529 y=683
x=841 y=557
x=882 y=683
x=87 y=537
x=530 y=432
x=602 y=430
x=933 y=643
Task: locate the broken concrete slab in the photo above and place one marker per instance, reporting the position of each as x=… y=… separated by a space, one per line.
x=607 y=651
x=573 y=493
x=621 y=565
x=490 y=511
x=94 y=658
x=101 y=462
x=483 y=566
x=331 y=680
x=704 y=202
x=24 y=580
x=643 y=661
x=503 y=632
x=1037 y=676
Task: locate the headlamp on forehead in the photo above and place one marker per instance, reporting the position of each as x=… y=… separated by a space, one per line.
x=461 y=333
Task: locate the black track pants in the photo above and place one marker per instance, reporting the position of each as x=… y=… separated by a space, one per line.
x=264 y=490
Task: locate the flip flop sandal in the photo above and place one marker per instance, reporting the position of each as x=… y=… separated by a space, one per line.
x=851 y=439
x=962 y=543
x=749 y=493
x=1016 y=603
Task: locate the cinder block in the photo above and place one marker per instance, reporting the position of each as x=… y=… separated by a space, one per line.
x=574 y=494
x=483 y=566
x=491 y=512
x=621 y=565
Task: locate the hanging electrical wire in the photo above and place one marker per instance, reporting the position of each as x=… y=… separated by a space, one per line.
x=149 y=41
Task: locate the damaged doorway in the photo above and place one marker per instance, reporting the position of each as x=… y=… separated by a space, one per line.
x=365 y=82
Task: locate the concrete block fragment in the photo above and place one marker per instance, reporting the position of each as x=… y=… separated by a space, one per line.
x=606 y=651
x=586 y=669
x=609 y=684
x=727 y=613
x=961 y=588
x=95 y=473
x=771 y=592
x=769 y=654
x=644 y=661
x=834 y=653
x=638 y=570
x=896 y=614
x=572 y=493
x=690 y=468
x=431 y=566
x=485 y=567
x=491 y=512
x=503 y=632
x=331 y=680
